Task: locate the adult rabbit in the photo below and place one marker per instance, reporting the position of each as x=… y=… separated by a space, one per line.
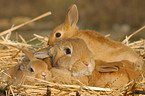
x=101 y=47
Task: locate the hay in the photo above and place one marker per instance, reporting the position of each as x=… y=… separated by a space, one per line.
x=11 y=54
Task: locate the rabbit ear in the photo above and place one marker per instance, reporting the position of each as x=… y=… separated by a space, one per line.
x=72 y=16
x=30 y=56
x=41 y=54
x=51 y=52
x=107 y=69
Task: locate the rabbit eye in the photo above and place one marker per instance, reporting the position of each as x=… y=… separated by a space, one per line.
x=57 y=34
x=67 y=51
x=31 y=70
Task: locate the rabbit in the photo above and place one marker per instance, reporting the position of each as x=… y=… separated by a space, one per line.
x=65 y=76
x=21 y=73
x=101 y=47
x=112 y=74
x=36 y=68
x=72 y=54
x=40 y=54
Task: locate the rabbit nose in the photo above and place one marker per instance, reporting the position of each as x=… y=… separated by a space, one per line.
x=49 y=43
x=86 y=63
x=44 y=75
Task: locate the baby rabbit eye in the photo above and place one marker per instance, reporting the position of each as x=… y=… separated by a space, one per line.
x=58 y=35
x=67 y=51
x=31 y=70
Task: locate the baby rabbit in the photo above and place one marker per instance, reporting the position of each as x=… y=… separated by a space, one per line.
x=36 y=68
x=72 y=54
x=64 y=76
x=71 y=61
x=41 y=54
x=112 y=74
x=101 y=47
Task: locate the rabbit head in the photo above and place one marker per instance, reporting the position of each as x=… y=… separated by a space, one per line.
x=41 y=54
x=36 y=68
x=72 y=54
x=67 y=29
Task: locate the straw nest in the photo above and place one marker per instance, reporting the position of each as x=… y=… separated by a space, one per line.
x=10 y=55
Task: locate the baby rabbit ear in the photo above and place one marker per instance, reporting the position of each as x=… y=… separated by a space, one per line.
x=72 y=16
x=107 y=69
x=30 y=55
x=51 y=52
x=42 y=53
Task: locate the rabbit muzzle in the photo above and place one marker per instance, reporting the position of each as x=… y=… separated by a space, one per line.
x=82 y=68
x=50 y=43
x=44 y=75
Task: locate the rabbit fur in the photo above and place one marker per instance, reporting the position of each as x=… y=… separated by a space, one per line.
x=21 y=73
x=36 y=68
x=101 y=47
x=68 y=54
x=41 y=54
x=112 y=74
x=66 y=68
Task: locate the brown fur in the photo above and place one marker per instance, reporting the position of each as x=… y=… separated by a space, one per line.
x=39 y=67
x=41 y=54
x=20 y=72
x=101 y=47
x=104 y=74
x=48 y=61
x=79 y=61
x=64 y=76
x=112 y=79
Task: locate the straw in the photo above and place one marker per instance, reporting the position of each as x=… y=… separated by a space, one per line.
x=18 y=26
